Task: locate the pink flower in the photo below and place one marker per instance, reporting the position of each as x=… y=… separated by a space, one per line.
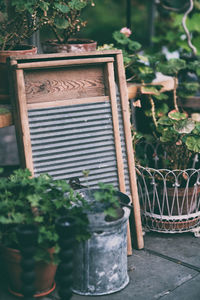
x=126 y=31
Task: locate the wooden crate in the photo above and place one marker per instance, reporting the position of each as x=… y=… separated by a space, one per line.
x=71 y=115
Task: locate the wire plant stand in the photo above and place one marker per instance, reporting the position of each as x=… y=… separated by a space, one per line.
x=169 y=199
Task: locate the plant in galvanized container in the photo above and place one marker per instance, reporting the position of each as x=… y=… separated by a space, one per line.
x=103 y=258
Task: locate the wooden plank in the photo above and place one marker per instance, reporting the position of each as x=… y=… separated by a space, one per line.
x=112 y=91
x=24 y=120
x=58 y=103
x=118 y=148
x=62 y=63
x=57 y=56
x=46 y=85
x=129 y=148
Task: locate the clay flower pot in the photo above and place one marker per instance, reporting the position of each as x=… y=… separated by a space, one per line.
x=45 y=273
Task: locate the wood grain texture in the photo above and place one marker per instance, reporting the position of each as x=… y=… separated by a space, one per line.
x=129 y=148
x=62 y=63
x=58 y=103
x=64 y=56
x=61 y=84
x=24 y=120
x=112 y=91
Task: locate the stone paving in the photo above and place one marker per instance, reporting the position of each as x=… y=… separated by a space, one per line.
x=168 y=269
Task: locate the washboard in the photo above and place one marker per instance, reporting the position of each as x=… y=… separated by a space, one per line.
x=71 y=115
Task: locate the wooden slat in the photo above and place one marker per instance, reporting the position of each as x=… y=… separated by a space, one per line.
x=57 y=56
x=129 y=148
x=112 y=91
x=67 y=102
x=24 y=120
x=63 y=63
x=118 y=148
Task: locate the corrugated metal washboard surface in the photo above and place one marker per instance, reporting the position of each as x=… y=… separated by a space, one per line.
x=67 y=140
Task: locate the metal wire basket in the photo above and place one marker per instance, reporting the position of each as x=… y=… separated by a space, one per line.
x=169 y=199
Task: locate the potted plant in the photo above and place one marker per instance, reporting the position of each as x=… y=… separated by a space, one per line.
x=40 y=201
x=18 y=21
x=63 y=19
x=171 y=173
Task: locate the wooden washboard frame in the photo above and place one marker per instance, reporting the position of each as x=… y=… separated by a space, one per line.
x=56 y=95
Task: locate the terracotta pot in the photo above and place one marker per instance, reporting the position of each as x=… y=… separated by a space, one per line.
x=181 y=206
x=4 y=78
x=73 y=45
x=6 y=118
x=132 y=89
x=45 y=273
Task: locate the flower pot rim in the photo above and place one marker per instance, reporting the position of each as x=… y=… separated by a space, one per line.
x=72 y=41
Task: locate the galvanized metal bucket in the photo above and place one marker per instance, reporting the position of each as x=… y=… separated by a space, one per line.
x=100 y=265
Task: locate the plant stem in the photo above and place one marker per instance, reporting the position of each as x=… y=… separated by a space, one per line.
x=192 y=47
x=174 y=93
x=153 y=110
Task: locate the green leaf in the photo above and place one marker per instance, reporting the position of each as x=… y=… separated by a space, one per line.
x=193 y=143
x=165 y=121
x=176 y=115
x=184 y=126
x=77 y=4
x=168 y=135
x=62 y=7
x=193 y=22
x=61 y=22
x=111 y=212
x=147 y=89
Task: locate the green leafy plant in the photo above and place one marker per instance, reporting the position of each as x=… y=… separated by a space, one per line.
x=39 y=200
x=170 y=126
x=19 y=19
x=108 y=197
x=63 y=18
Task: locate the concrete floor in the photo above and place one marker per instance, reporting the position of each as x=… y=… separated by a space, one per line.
x=168 y=269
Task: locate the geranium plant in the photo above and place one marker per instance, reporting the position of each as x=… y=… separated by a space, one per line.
x=38 y=200
x=63 y=18
x=19 y=19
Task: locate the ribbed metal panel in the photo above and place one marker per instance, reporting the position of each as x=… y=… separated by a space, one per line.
x=69 y=139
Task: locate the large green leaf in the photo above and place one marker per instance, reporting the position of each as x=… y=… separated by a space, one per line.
x=165 y=121
x=176 y=115
x=193 y=22
x=184 y=126
x=193 y=143
x=60 y=22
